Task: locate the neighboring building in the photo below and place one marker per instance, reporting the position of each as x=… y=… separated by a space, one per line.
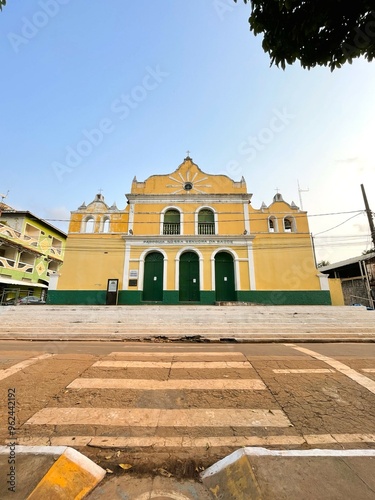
x=190 y=237
x=357 y=276
x=31 y=251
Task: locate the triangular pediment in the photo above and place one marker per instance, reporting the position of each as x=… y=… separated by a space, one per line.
x=189 y=179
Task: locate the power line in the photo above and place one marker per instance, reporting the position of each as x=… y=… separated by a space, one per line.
x=338 y=225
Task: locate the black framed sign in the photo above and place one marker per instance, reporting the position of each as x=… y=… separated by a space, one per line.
x=112 y=292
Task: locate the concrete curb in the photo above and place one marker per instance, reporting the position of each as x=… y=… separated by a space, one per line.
x=46 y=472
x=263 y=474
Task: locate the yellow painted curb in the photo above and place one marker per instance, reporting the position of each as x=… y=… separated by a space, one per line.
x=71 y=477
x=249 y=473
x=236 y=480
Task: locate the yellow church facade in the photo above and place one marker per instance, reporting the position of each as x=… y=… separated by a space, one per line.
x=190 y=238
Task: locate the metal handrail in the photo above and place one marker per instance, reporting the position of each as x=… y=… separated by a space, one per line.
x=362 y=298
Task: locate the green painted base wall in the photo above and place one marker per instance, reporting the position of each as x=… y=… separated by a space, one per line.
x=286 y=297
x=76 y=297
x=127 y=297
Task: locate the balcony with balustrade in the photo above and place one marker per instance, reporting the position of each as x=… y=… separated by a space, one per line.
x=206 y=221
x=171 y=228
x=56 y=248
x=18 y=262
x=206 y=228
x=12 y=234
x=7 y=263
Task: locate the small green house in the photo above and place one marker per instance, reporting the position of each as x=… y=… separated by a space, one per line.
x=31 y=251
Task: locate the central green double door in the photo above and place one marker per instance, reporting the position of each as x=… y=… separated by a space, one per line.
x=224 y=277
x=153 y=277
x=189 y=278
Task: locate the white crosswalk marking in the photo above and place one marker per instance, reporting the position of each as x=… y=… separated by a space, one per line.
x=152 y=418
x=169 y=354
x=163 y=385
x=174 y=364
x=304 y=370
x=22 y=365
x=342 y=368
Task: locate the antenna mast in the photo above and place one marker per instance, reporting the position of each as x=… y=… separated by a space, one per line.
x=3 y=196
x=299 y=194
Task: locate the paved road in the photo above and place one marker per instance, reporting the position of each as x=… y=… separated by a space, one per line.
x=179 y=407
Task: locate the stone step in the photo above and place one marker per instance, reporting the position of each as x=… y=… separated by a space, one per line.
x=21 y=313
x=83 y=327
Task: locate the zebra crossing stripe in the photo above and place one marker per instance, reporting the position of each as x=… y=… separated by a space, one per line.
x=170 y=384
x=157 y=418
x=133 y=364
x=174 y=354
x=22 y=365
x=184 y=441
x=304 y=370
x=174 y=364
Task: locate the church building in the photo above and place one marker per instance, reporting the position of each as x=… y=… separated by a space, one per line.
x=189 y=238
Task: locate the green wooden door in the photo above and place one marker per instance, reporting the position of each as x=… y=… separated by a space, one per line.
x=189 y=277
x=224 y=277
x=153 y=277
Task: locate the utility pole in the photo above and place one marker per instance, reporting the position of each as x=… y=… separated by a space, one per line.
x=369 y=216
x=370 y=290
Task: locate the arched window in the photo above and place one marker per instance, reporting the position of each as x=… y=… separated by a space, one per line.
x=206 y=221
x=105 y=225
x=171 y=222
x=89 y=225
x=289 y=225
x=272 y=224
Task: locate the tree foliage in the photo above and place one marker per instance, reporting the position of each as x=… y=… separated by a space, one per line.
x=2 y=3
x=315 y=32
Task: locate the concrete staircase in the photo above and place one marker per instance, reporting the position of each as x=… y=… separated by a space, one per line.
x=188 y=323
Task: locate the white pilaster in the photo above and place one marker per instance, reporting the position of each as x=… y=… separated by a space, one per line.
x=324 y=283
x=250 y=254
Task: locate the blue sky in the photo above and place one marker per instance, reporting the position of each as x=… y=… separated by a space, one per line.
x=94 y=93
